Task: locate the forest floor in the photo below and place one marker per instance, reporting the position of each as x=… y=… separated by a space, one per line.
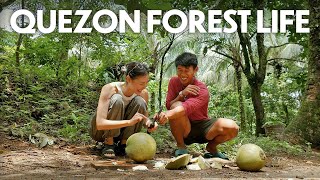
x=23 y=160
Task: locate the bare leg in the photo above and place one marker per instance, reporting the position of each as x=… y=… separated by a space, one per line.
x=223 y=130
x=108 y=141
x=180 y=127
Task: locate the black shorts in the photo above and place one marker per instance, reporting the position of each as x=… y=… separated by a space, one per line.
x=198 y=131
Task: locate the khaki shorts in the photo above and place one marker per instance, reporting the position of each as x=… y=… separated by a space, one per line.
x=198 y=132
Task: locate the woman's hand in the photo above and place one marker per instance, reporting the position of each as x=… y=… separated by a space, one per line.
x=148 y=125
x=138 y=117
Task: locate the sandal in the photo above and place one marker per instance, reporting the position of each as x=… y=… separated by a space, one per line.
x=108 y=151
x=120 y=149
x=179 y=152
x=208 y=155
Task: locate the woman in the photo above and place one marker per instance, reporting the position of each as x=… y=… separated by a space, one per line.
x=122 y=110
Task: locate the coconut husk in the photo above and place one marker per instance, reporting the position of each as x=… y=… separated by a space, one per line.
x=179 y=162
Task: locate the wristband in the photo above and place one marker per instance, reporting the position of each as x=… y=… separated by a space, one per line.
x=180 y=94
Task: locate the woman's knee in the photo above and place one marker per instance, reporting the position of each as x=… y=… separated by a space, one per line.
x=116 y=101
x=138 y=104
x=138 y=100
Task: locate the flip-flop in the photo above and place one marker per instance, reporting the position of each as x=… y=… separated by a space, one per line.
x=108 y=151
x=208 y=155
x=179 y=152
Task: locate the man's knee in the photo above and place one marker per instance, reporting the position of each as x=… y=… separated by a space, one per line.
x=227 y=127
x=176 y=104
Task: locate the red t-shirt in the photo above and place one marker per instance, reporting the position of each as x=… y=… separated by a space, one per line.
x=196 y=107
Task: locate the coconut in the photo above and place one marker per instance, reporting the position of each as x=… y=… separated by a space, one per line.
x=250 y=157
x=141 y=147
x=179 y=162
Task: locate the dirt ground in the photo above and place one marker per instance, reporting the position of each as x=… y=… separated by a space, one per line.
x=23 y=160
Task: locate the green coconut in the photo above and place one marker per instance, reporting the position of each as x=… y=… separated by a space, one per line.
x=250 y=157
x=141 y=147
x=179 y=162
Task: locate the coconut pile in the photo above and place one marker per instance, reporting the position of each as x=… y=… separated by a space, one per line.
x=141 y=147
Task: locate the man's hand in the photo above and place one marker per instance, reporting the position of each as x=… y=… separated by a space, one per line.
x=137 y=118
x=151 y=129
x=162 y=118
x=191 y=89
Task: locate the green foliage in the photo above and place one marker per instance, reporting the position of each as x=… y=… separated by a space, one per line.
x=153 y=89
x=282 y=93
x=223 y=103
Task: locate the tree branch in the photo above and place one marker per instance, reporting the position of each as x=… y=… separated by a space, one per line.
x=161 y=67
x=272 y=47
x=228 y=56
x=279 y=45
x=246 y=69
x=254 y=64
x=287 y=59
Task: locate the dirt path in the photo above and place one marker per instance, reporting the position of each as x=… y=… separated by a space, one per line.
x=22 y=160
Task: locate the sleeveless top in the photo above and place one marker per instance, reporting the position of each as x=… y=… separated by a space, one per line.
x=126 y=99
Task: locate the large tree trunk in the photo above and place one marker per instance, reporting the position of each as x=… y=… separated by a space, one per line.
x=306 y=124
x=258 y=107
x=256 y=78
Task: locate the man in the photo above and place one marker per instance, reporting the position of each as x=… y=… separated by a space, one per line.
x=187 y=103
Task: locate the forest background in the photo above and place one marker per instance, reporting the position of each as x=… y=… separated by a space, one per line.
x=50 y=83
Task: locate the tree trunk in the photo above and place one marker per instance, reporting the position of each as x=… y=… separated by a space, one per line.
x=152 y=69
x=258 y=107
x=152 y=103
x=240 y=98
x=19 y=42
x=306 y=124
x=80 y=62
x=256 y=78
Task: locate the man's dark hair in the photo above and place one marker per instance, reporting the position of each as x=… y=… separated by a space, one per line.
x=135 y=69
x=186 y=59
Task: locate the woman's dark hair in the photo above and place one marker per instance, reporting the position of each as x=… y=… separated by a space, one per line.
x=135 y=69
x=186 y=59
